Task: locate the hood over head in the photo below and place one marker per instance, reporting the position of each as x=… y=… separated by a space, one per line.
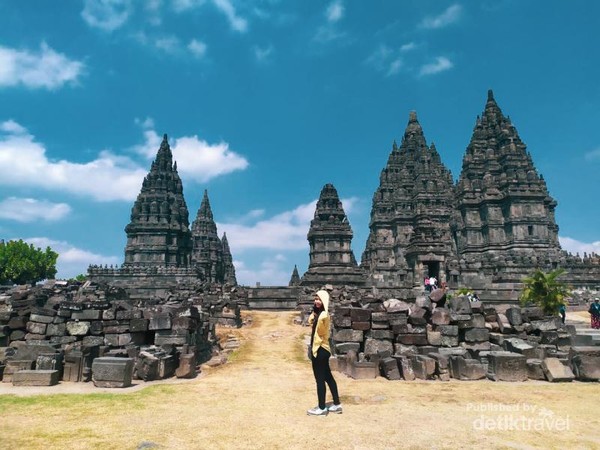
x=324 y=296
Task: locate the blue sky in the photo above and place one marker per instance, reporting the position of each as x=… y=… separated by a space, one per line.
x=265 y=101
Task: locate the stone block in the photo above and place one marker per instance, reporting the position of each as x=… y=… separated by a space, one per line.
x=396 y=306
x=412 y=339
x=585 y=362
x=36 y=328
x=417 y=316
x=78 y=328
x=441 y=362
x=146 y=367
x=364 y=370
x=405 y=367
x=168 y=337
x=401 y=328
x=345 y=347
x=448 y=330
x=161 y=321
x=14 y=365
x=517 y=345
x=56 y=329
x=381 y=334
x=547 y=324
x=90 y=341
x=507 y=366
x=470 y=369
x=423 y=367
x=423 y=302
x=87 y=314
x=187 y=366
x=549 y=337
x=362 y=326
x=110 y=372
x=476 y=335
x=360 y=315
x=534 y=369
x=129 y=314
x=406 y=350
x=379 y=317
x=556 y=371
x=398 y=319
x=378 y=347
x=503 y=324
x=460 y=305
x=389 y=368
x=513 y=315
x=434 y=337
x=347 y=335
x=440 y=316
x=531 y=313
x=41 y=319
x=35 y=378
x=167 y=365
x=343 y=321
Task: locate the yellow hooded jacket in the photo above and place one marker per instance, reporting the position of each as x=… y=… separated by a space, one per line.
x=321 y=336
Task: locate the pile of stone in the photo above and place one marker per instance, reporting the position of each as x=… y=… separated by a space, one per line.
x=96 y=333
x=465 y=340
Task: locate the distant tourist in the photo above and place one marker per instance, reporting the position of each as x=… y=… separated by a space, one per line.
x=427 y=285
x=319 y=353
x=474 y=297
x=562 y=310
x=595 y=314
x=433 y=283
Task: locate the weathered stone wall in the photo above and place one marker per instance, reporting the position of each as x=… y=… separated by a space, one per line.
x=463 y=340
x=66 y=327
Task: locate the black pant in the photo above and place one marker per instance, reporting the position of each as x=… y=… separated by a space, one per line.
x=323 y=375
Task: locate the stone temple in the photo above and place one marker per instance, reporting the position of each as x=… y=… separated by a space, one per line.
x=486 y=232
x=161 y=251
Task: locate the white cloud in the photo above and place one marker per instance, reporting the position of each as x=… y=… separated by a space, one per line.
x=23 y=162
x=46 y=69
x=408 y=47
x=335 y=11
x=284 y=231
x=395 y=67
x=574 y=246
x=236 y=22
x=196 y=158
x=107 y=15
x=152 y=8
x=449 y=16
x=262 y=54
x=385 y=60
x=185 y=5
x=197 y=48
x=168 y=44
x=72 y=260
x=593 y=155
x=30 y=210
x=274 y=269
x=441 y=64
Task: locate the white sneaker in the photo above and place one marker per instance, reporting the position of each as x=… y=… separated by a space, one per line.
x=335 y=409
x=316 y=411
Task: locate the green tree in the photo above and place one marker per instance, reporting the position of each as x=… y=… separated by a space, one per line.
x=23 y=263
x=545 y=290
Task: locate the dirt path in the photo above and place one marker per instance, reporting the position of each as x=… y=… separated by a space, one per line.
x=259 y=400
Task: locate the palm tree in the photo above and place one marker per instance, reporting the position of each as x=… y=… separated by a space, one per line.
x=544 y=290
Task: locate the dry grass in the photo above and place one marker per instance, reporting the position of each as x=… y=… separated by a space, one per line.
x=258 y=400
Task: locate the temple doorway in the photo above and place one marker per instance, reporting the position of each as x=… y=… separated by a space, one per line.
x=432 y=269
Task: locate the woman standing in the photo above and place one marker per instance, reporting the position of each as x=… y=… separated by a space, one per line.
x=595 y=312
x=319 y=355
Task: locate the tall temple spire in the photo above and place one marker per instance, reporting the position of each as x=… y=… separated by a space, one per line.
x=295 y=278
x=158 y=233
x=329 y=238
x=503 y=204
x=228 y=267
x=410 y=215
x=207 y=254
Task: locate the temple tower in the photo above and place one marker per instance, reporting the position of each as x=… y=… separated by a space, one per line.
x=504 y=210
x=410 y=235
x=295 y=279
x=228 y=267
x=330 y=237
x=207 y=255
x=158 y=234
